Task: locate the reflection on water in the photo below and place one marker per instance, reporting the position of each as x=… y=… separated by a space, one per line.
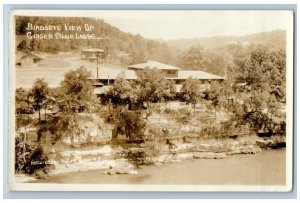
x=267 y=168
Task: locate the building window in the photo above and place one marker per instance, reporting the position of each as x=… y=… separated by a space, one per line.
x=171 y=72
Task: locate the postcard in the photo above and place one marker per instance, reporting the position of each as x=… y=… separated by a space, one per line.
x=151 y=100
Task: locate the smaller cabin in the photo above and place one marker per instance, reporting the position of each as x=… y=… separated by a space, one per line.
x=92 y=54
x=31 y=59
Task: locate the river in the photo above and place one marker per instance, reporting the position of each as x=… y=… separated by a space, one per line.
x=266 y=168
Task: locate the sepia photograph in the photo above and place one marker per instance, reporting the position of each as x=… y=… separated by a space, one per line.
x=151 y=100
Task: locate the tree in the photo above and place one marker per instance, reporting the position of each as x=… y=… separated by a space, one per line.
x=39 y=92
x=129 y=123
x=197 y=58
x=191 y=91
x=21 y=24
x=74 y=96
x=123 y=92
x=148 y=83
x=213 y=95
x=23 y=106
x=166 y=90
x=76 y=92
x=193 y=58
x=22 y=46
x=259 y=78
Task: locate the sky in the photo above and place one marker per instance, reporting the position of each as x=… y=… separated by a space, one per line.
x=190 y=24
x=185 y=24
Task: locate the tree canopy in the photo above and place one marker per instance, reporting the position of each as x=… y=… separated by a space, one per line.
x=39 y=93
x=191 y=91
x=75 y=91
x=259 y=80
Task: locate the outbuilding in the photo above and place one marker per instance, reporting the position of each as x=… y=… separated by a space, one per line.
x=92 y=54
x=31 y=59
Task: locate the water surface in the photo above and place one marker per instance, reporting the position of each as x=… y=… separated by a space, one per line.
x=267 y=168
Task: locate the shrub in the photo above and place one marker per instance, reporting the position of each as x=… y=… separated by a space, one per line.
x=143 y=154
x=127 y=122
x=21 y=154
x=168 y=111
x=37 y=161
x=29 y=160
x=22 y=121
x=184 y=116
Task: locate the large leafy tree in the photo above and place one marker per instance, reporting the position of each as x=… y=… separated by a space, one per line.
x=191 y=91
x=74 y=96
x=214 y=94
x=123 y=92
x=148 y=82
x=166 y=90
x=129 y=123
x=151 y=86
x=75 y=92
x=39 y=93
x=259 y=81
x=23 y=107
x=23 y=104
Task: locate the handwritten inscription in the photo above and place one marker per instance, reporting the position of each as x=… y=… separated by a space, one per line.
x=66 y=31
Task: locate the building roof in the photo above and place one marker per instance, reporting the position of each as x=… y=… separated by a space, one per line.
x=153 y=64
x=110 y=71
x=34 y=54
x=106 y=73
x=101 y=90
x=93 y=50
x=98 y=84
x=197 y=74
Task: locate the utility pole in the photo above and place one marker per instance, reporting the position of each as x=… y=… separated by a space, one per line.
x=97 y=69
x=100 y=38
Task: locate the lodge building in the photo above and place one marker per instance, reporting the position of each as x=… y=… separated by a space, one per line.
x=107 y=76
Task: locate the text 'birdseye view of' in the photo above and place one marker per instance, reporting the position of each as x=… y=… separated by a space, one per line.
x=95 y=104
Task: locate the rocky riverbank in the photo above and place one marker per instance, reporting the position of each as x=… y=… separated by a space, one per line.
x=113 y=159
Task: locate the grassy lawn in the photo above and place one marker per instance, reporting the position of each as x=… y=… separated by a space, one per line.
x=53 y=68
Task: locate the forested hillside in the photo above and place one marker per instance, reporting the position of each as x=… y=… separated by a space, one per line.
x=211 y=54
x=275 y=39
x=115 y=40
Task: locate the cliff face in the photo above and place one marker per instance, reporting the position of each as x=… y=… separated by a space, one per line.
x=91 y=129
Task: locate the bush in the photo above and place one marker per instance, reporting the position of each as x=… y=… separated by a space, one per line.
x=29 y=160
x=168 y=111
x=143 y=154
x=184 y=116
x=36 y=162
x=21 y=155
x=129 y=123
x=23 y=120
